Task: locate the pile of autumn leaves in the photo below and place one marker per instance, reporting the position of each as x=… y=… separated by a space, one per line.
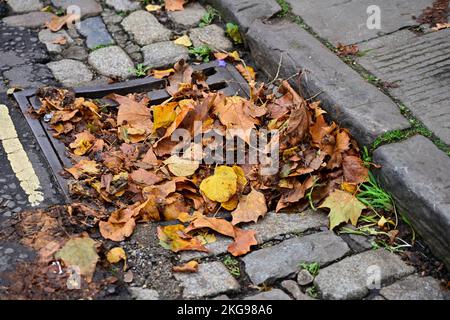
x=122 y=160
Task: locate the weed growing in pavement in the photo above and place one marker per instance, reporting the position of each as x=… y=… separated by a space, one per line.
x=373 y=196
x=312 y=292
x=232 y=31
x=201 y=53
x=312 y=268
x=102 y=46
x=209 y=16
x=285 y=8
x=140 y=70
x=232 y=265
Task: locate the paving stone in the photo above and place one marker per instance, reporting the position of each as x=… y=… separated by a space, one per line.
x=95 y=32
x=419 y=66
x=190 y=16
x=416 y=173
x=70 y=72
x=292 y=287
x=350 y=17
x=10 y=59
x=75 y=52
x=211 y=279
x=145 y=28
x=28 y=76
x=144 y=294
x=88 y=7
x=111 y=61
x=283 y=259
x=162 y=54
x=12 y=254
x=349 y=99
x=244 y=12
x=276 y=224
x=25 y=5
x=221 y=297
x=48 y=38
x=304 y=278
x=272 y=225
x=29 y=20
x=212 y=36
x=350 y=277
x=274 y=294
x=123 y=5
x=357 y=243
x=414 y=288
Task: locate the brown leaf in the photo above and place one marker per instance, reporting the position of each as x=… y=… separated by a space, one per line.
x=250 y=208
x=174 y=5
x=243 y=241
x=117 y=231
x=354 y=170
x=132 y=113
x=56 y=23
x=144 y=177
x=219 y=225
x=175 y=238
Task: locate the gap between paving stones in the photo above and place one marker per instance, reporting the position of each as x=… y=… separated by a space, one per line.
x=303 y=49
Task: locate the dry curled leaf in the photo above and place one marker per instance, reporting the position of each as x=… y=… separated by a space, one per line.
x=250 y=208
x=116 y=255
x=174 y=5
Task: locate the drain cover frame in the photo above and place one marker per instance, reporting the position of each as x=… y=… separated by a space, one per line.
x=224 y=79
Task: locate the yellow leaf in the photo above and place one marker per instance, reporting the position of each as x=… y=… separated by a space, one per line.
x=344 y=207
x=152 y=7
x=241 y=180
x=184 y=41
x=235 y=55
x=164 y=115
x=181 y=167
x=191 y=266
x=117 y=254
x=173 y=237
x=206 y=237
x=230 y=204
x=221 y=186
x=83 y=143
x=159 y=74
x=80 y=254
x=84 y=166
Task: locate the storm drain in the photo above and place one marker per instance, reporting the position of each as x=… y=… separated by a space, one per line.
x=224 y=79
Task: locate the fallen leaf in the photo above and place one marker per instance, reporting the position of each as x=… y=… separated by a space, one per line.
x=60 y=40
x=174 y=5
x=247 y=72
x=144 y=177
x=117 y=231
x=89 y=167
x=132 y=113
x=440 y=26
x=191 y=266
x=117 y=254
x=181 y=167
x=219 y=225
x=83 y=143
x=152 y=7
x=347 y=50
x=354 y=170
x=343 y=207
x=164 y=115
x=159 y=74
x=184 y=41
x=243 y=241
x=250 y=208
x=81 y=254
x=56 y=23
x=175 y=238
x=221 y=186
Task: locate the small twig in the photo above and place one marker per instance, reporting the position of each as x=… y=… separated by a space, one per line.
x=278 y=70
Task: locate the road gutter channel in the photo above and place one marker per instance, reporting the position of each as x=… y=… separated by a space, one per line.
x=405 y=186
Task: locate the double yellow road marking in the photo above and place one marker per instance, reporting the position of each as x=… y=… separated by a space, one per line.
x=18 y=158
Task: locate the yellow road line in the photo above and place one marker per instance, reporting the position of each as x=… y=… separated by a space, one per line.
x=18 y=158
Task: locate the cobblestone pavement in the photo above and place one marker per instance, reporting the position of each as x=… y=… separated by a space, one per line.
x=116 y=35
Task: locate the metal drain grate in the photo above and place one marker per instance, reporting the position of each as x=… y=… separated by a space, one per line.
x=225 y=79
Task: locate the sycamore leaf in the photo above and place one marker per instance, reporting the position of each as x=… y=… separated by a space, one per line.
x=89 y=167
x=221 y=186
x=117 y=254
x=80 y=253
x=181 y=167
x=250 y=208
x=175 y=238
x=174 y=5
x=83 y=143
x=243 y=241
x=219 y=225
x=183 y=41
x=191 y=266
x=343 y=207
